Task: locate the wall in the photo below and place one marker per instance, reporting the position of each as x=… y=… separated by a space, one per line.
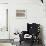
x=6 y=44
x=35 y=12
x=3 y=1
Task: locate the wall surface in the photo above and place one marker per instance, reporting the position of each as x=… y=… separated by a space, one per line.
x=35 y=12
x=3 y=1
x=6 y=44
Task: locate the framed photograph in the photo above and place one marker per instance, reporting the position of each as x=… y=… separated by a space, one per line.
x=20 y=14
x=4 y=16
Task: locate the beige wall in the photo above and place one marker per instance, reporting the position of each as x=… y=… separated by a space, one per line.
x=5 y=44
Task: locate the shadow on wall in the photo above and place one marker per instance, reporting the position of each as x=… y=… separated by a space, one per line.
x=41 y=34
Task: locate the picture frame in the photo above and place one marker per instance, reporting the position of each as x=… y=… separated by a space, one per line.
x=21 y=14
